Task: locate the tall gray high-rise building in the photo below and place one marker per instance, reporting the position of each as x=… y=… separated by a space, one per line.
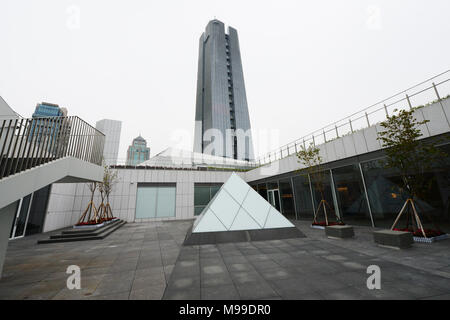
x=111 y=129
x=222 y=123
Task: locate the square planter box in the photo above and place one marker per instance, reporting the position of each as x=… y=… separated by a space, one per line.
x=340 y=232
x=393 y=239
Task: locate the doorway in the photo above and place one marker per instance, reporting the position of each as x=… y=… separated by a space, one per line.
x=19 y=225
x=274 y=198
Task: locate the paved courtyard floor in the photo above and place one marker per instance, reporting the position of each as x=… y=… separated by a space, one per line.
x=147 y=261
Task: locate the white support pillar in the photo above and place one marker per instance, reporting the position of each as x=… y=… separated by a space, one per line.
x=6 y=219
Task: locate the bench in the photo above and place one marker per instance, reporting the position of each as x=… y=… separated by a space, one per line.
x=340 y=232
x=393 y=239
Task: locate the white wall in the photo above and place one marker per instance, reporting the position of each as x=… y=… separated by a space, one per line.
x=68 y=201
x=59 y=209
x=6 y=219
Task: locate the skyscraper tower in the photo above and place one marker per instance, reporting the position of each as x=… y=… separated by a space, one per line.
x=111 y=129
x=222 y=123
x=138 y=152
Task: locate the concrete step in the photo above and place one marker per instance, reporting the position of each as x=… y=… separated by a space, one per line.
x=87 y=229
x=83 y=232
x=100 y=236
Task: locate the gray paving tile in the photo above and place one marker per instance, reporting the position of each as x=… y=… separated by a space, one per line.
x=148 y=293
x=244 y=277
x=255 y=290
x=138 y=260
x=222 y=292
x=216 y=280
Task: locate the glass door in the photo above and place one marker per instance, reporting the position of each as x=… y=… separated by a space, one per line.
x=20 y=220
x=274 y=198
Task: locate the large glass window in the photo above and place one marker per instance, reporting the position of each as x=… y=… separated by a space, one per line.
x=203 y=195
x=155 y=201
x=387 y=194
x=350 y=195
x=287 y=199
x=303 y=201
x=324 y=194
x=385 y=191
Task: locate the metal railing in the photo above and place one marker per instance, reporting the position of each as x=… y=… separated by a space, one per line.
x=27 y=143
x=171 y=163
x=425 y=93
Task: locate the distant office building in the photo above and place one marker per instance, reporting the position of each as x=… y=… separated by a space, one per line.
x=138 y=152
x=221 y=106
x=46 y=109
x=43 y=129
x=111 y=129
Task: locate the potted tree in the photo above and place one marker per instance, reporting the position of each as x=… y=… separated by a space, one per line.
x=89 y=219
x=311 y=159
x=109 y=180
x=413 y=158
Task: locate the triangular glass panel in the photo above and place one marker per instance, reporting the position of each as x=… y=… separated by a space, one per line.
x=256 y=206
x=236 y=187
x=225 y=207
x=244 y=221
x=276 y=220
x=209 y=223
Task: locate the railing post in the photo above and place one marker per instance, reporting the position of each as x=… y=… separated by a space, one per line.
x=409 y=102
x=37 y=142
x=20 y=146
x=31 y=144
x=351 y=127
x=386 y=111
x=8 y=171
x=304 y=144
x=367 y=118
x=337 y=133
x=314 y=141
x=4 y=145
x=324 y=136
x=436 y=91
x=2 y=174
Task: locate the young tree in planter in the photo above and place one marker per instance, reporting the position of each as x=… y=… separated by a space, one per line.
x=413 y=158
x=109 y=180
x=92 y=187
x=311 y=159
x=102 y=207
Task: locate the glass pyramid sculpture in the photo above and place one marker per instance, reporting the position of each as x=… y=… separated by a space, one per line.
x=237 y=207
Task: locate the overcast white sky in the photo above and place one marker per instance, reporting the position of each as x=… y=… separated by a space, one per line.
x=306 y=63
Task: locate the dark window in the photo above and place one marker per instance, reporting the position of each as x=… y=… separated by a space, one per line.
x=203 y=195
x=287 y=199
x=37 y=212
x=303 y=201
x=350 y=195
